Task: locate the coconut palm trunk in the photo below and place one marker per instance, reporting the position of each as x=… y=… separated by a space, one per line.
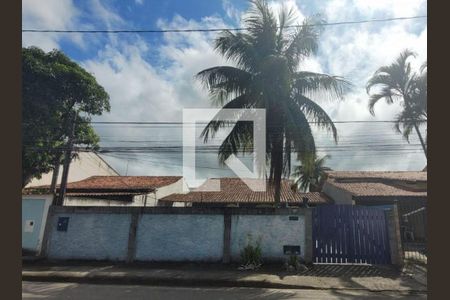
x=277 y=157
x=422 y=142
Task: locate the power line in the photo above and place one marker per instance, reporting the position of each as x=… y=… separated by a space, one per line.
x=216 y=29
x=173 y=164
x=199 y=123
x=215 y=149
x=175 y=124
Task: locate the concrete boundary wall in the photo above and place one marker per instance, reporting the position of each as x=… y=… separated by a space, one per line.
x=184 y=234
x=90 y=236
x=172 y=233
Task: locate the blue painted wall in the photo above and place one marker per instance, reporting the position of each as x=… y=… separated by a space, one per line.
x=90 y=236
x=274 y=231
x=180 y=237
x=32 y=209
x=170 y=237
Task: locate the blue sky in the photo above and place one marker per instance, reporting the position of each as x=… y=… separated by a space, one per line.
x=150 y=76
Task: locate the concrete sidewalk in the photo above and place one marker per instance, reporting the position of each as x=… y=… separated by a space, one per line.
x=370 y=278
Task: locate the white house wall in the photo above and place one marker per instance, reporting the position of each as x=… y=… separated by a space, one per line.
x=138 y=200
x=86 y=165
x=271 y=231
x=179 y=187
x=338 y=195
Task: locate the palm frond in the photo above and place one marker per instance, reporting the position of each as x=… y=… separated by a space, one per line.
x=395 y=76
x=237 y=47
x=224 y=82
x=242 y=101
x=311 y=168
x=316 y=114
x=240 y=139
x=320 y=85
x=285 y=18
x=299 y=130
x=303 y=43
x=424 y=67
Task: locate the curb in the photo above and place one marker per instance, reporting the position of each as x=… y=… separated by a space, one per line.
x=185 y=282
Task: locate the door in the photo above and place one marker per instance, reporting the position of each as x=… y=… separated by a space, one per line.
x=32 y=213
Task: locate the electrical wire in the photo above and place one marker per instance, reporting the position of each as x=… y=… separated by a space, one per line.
x=215 y=29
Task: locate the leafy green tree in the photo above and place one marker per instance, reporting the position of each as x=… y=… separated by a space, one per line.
x=310 y=174
x=267 y=56
x=398 y=82
x=55 y=92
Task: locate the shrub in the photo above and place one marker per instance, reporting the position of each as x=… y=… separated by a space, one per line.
x=251 y=254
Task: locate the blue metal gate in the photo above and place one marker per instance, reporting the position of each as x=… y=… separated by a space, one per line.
x=350 y=234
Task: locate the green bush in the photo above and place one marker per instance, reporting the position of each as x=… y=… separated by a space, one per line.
x=251 y=254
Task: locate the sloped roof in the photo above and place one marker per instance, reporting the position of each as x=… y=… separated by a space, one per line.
x=234 y=190
x=364 y=183
x=390 y=175
x=114 y=184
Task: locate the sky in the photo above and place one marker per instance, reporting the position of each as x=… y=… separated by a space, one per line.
x=150 y=77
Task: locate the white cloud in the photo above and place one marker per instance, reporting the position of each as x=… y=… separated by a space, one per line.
x=187 y=55
x=398 y=8
x=276 y=6
x=64 y=15
x=105 y=14
x=231 y=11
x=137 y=91
x=338 y=10
x=141 y=91
x=156 y=90
x=139 y=2
x=108 y=17
x=50 y=14
x=144 y=91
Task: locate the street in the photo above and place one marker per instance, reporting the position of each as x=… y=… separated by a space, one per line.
x=51 y=290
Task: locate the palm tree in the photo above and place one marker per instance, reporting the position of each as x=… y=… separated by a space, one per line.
x=267 y=56
x=310 y=174
x=397 y=82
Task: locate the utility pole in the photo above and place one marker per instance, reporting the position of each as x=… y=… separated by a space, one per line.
x=55 y=178
x=67 y=158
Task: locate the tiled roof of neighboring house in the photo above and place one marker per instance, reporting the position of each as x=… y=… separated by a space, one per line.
x=391 y=175
x=113 y=184
x=380 y=183
x=234 y=190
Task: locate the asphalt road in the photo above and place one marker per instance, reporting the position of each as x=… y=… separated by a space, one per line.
x=51 y=290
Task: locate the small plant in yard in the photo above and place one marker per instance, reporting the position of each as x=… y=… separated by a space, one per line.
x=251 y=254
x=294 y=263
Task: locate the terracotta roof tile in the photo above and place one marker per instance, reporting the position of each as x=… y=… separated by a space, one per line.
x=380 y=183
x=393 y=175
x=115 y=183
x=234 y=190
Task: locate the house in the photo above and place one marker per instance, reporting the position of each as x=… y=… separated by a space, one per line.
x=118 y=190
x=234 y=192
x=87 y=164
x=35 y=204
x=375 y=188
x=406 y=189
